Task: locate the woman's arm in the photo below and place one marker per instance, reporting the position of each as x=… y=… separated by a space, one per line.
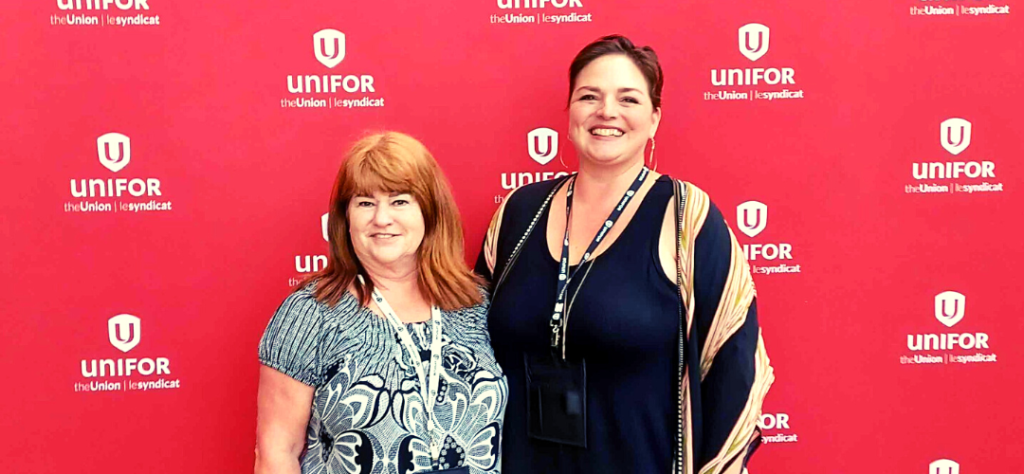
x=283 y=409
x=487 y=259
x=735 y=373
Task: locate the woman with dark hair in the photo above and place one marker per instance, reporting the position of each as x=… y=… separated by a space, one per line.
x=381 y=363
x=623 y=309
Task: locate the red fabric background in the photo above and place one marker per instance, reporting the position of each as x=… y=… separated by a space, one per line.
x=200 y=97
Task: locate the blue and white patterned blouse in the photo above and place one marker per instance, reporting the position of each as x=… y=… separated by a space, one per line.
x=368 y=412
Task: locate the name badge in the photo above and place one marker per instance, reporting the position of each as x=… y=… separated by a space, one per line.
x=556 y=403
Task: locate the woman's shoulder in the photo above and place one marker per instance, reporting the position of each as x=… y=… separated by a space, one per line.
x=304 y=300
x=512 y=217
x=699 y=207
x=706 y=230
x=473 y=313
x=483 y=305
x=702 y=209
x=306 y=293
x=290 y=339
x=689 y=187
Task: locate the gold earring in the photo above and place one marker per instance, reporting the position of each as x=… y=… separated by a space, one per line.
x=651 y=158
x=561 y=159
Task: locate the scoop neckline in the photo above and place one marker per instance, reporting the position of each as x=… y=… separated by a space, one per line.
x=367 y=309
x=547 y=214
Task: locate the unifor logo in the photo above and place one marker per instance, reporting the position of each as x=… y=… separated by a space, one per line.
x=125 y=331
x=753 y=40
x=949 y=307
x=115 y=151
x=956 y=135
x=944 y=466
x=752 y=217
x=543 y=144
x=323 y=226
x=329 y=46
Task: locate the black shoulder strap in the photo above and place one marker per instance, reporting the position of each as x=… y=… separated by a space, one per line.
x=510 y=262
x=679 y=191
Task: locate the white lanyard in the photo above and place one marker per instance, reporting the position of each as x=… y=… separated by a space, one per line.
x=428 y=381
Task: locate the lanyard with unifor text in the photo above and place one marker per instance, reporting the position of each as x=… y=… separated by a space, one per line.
x=428 y=381
x=557 y=318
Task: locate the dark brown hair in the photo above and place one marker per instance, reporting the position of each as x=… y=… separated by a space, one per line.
x=397 y=163
x=642 y=56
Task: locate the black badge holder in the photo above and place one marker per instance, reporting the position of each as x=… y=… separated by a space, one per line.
x=556 y=399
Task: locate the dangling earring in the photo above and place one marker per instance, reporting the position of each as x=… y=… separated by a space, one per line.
x=651 y=158
x=560 y=158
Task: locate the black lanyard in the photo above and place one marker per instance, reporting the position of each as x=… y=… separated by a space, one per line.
x=557 y=319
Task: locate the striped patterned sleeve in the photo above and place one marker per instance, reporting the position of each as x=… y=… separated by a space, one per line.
x=735 y=373
x=290 y=342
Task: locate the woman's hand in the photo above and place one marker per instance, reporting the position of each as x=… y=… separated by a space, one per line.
x=283 y=408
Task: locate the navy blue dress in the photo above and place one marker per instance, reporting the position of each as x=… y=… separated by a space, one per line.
x=624 y=323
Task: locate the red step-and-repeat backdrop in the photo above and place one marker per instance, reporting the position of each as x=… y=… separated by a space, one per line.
x=166 y=166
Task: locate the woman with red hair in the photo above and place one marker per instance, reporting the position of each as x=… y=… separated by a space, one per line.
x=382 y=361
